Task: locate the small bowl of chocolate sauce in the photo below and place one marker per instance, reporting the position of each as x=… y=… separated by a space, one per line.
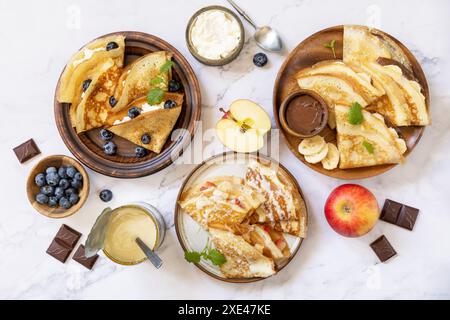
x=303 y=114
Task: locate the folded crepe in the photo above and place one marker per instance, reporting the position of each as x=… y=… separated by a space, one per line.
x=88 y=58
x=284 y=209
x=242 y=259
x=220 y=202
x=367 y=144
x=154 y=120
x=94 y=107
x=135 y=81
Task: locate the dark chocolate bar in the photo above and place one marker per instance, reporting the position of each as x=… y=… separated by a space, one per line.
x=80 y=257
x=383 y=249
x=26 y=151
x=68 y=236
x=59 y=250
x=399 y=214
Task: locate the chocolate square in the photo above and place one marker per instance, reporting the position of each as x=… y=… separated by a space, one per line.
x=391 y=210
x=407 y=217
x=26 y=151
x=59 y=250
x=68 y=236
x=383 y=249
x=80 y=257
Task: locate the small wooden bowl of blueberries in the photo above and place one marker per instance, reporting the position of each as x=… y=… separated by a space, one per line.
x=58 y=186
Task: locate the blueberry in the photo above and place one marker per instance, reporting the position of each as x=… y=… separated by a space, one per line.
x=106 y=195
x=64 y=203
x=47 y=190
x=110 y=148
x=42 y=198
x=52 y=201
x=86 y=84
x=106 y=135
x=74 y=198
x=174 y=86
x=78 y=176
x=51 y=170
x=134 y=112
x=52 y=179
x=260 y=59
x=112 y=101
x=111 y=46
x=70 y=171
x=59 y=192
x=77 y=184
x=145 y=139
x=140 y=152
x=169 y=104
x=39 y=180
x=64 y=184
x=70 y=191
x=62 y=172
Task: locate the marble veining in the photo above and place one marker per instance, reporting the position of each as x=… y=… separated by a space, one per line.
x=38 y=42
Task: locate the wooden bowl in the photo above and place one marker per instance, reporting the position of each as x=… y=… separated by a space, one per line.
x=309 y=52
x=33 y=189
x=87 y=147
x=207 y=61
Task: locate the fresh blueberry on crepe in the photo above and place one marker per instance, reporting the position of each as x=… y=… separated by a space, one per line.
x=134 y=112
x=140 y=152
x=70 y=171
x=86 y=84
x=62 y=172
x=260 y=59
x=145 y=139
x=39 y=180
x=112 y=101
x=42 y=198
x=174 y=86
x=169 y=104
x=111 y=46
x=64 y=203
x=47 y=190
x=106 y=195
x=106 y=135
x=110 y=148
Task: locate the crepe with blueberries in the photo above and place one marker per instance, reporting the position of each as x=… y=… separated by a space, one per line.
x=94 y=107
x=147 y=125
x=138 y=78
x=84 y=61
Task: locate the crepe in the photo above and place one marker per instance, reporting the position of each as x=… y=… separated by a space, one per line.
x=88 y=58
x=94 y=107
x=367 y=144
x=242 y=259
x=284 y=209
x=156 y=121
x=135 y=81
x=220 y=202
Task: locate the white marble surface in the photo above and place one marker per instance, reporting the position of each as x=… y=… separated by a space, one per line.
x=37 y=39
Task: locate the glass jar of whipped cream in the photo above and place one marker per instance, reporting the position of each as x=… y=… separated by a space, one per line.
x=116 y=230
x=215 y=35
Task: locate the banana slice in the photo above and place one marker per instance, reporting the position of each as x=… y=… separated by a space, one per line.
x=331 y=161
x=317 y=157
x=311 y=146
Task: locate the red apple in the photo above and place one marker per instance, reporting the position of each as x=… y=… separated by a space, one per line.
x=352 y=210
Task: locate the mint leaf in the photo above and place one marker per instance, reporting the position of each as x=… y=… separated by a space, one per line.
x=355 y=115
x=331 y=45
x=166 y=66
x=368 y=146
x=156 y=81
x=216 y=257
x=192 y=256
x=155 y=96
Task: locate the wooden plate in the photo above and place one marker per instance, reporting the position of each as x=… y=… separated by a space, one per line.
x=311 y=51
x=192 y=237
x=32 y=189
x=87 y=147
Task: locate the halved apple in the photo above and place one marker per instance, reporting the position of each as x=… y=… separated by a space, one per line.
x=243 y=127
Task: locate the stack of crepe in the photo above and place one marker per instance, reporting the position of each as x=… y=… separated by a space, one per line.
x=100 y=91
x=375 y=74
x=226 y=207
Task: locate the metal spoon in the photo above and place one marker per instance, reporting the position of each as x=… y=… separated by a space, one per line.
x=151 y=255
x=266 y=37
